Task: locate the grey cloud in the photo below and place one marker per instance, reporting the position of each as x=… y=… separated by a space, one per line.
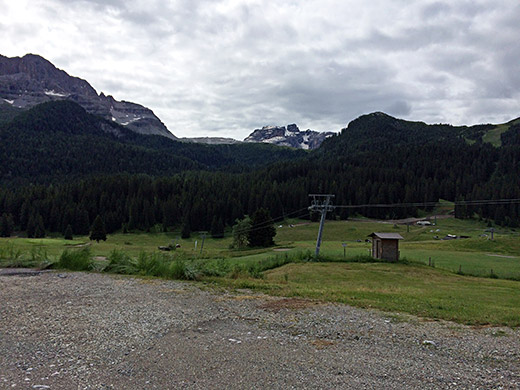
x=208 y=66
x=102 y=4
x=435 y=9
x=399 y=108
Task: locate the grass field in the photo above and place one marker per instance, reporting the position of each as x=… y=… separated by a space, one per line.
x=409 y=287
x=493 y=136
x=413 y=289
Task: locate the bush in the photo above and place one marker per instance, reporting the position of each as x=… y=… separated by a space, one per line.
x=120 y=263
x=76 y=260
x=257 y=269
x=11 y=257
x=151 y=264
x=40 y=258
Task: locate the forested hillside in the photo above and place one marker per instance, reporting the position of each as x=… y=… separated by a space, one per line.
x=376 y=160
x=58 y=141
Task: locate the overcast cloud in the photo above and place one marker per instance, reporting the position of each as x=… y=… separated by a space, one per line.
x=224 y=68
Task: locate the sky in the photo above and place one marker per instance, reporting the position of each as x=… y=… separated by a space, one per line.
x=222 y=68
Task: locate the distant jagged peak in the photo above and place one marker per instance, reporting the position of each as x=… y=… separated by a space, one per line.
x=290 y=136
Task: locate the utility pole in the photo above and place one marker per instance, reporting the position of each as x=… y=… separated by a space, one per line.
x=322 y=204
x=203 y=236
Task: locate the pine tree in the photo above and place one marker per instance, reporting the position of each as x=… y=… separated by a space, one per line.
x=241 y=233
x=82 y=223
x=98 y=231
x=24 y=215
x=39 y=231
x=67 y=235
x=262 y=230
x=31 y=226
x=6 y=225
x=217 y=228
x=186 y=230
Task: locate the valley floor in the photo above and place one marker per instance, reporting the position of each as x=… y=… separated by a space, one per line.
x=97 y=331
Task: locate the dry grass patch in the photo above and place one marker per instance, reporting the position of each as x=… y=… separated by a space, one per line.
x=322 y=344
x=289 y=303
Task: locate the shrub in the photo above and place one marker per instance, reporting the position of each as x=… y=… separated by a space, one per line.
x=150 y=264
x=40 y=258
x=120 y=263
x=11 y=257
x=76 y=260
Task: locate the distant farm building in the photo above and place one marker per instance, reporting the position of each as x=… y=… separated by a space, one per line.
x=385 y=246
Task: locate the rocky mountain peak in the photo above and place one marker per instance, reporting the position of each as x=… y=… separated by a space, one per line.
x=290 y=136
x=293 y=128
x=30 y=80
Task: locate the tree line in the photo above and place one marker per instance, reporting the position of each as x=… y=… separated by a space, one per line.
x=377 y=160
x=212 y=200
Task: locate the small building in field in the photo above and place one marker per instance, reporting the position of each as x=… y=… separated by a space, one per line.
x=385 y=246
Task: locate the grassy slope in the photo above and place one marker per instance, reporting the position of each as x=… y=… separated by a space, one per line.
x=413 y=289
x=493 y=136
x=418 y=244
x=410 y=288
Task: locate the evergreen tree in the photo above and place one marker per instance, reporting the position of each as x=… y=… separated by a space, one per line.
x=6 y=225
x=186 y=230
x=262 y=230
x=82 y=223
x=98 y=231
x=241 y=233
x=31 y=226
x=39 y=231
x=24 y=215
x=217 y=228
x=67 y=235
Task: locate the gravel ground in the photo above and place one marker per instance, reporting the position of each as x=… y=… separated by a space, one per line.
x=95 y=331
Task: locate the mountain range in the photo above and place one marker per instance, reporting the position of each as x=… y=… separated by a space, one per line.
x=32 y=80
x=65 y=161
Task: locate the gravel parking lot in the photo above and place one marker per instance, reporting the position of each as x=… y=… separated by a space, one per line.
x=97 y=331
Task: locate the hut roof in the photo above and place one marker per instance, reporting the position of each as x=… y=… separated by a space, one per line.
x=387 y=236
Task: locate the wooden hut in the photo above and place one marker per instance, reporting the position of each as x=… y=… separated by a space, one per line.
x=385 y=246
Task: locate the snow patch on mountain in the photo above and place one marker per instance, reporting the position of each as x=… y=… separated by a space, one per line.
x=290 y=136
x=52 y=93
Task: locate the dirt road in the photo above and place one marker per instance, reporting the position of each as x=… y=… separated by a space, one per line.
x=94 y=331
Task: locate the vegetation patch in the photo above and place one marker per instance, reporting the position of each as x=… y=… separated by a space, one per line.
x=76 y=260
x=415 y=285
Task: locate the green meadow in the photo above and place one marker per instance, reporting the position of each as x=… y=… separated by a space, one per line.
x=474 y=280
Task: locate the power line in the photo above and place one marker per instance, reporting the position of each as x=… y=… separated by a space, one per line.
x=432 y=203
x=298 y=213
x=263 y=225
